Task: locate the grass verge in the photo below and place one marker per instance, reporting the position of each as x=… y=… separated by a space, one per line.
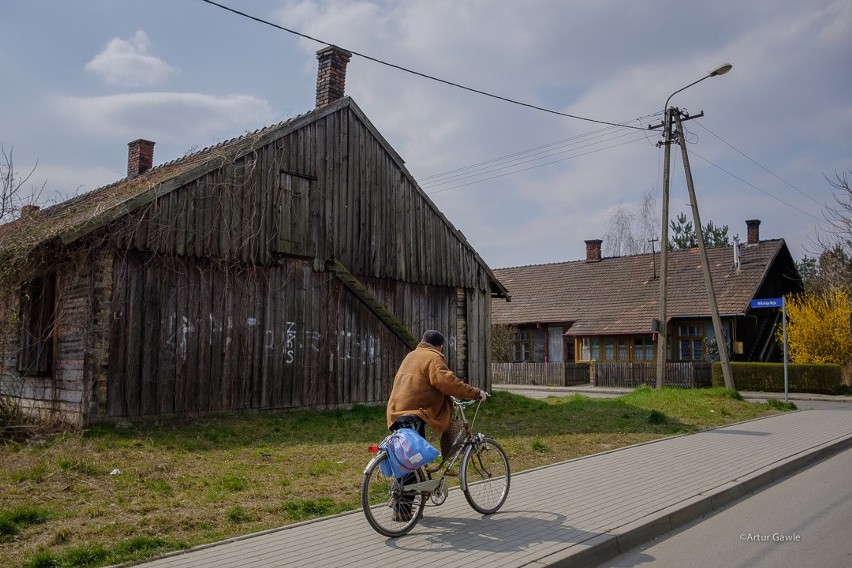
x=125 y=492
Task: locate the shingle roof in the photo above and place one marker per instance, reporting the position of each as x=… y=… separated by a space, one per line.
x=621 y=294
x=79 y=216
x=71 y=219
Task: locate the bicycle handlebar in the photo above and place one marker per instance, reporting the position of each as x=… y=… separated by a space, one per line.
x=461 y=402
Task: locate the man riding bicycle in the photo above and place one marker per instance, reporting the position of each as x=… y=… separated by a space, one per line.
x=421 y=395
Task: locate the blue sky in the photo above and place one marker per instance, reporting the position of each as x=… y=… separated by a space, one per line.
x=83 y=78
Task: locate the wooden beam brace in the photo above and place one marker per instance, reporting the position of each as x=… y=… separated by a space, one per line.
x=366 y=297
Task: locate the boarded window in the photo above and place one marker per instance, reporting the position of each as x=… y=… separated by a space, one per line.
x=461 y=333
x=38 y=300
x=292 y=214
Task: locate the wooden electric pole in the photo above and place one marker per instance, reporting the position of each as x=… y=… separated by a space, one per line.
x=705 y=265
x=670 y=115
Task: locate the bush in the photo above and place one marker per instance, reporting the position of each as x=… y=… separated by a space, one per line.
x=818 y=327
x=769 y=377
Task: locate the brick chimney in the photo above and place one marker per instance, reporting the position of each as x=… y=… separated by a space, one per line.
x=140 y=157
x=593 y=250
x=331 y=74
x=753 y=231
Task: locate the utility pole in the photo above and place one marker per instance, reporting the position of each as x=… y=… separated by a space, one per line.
x=667 y=124
x=662 y=332
x=662 y=335
x=705 y=265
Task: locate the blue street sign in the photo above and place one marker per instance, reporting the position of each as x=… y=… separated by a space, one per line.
x=767 y=303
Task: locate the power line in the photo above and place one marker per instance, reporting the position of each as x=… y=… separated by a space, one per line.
x=520 y=159
x=536 y=166
x=764 y=168
x=775 y=197
x=418 y=73
x=526 y=156
x=527 y=105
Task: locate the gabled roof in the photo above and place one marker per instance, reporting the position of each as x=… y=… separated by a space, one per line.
x=620 y=295
x=75 y=218
x=72 y=219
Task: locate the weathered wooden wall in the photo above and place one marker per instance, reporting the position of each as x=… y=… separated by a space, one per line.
x=189 y=335
x=214 y=294
x=327 y=189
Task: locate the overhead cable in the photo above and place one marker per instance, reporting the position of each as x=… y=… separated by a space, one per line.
x=515 y=171
x=764 y=168
x=418 y=73
x=775 y=197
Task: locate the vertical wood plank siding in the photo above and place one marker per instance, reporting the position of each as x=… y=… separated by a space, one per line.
x=177 y=324
x=219 y=298
x=213 y=294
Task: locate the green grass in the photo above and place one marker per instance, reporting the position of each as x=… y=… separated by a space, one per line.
x=119 y=493
x=19 y=518
x=136 y=548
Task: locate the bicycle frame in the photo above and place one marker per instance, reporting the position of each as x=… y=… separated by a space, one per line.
x=483 y=472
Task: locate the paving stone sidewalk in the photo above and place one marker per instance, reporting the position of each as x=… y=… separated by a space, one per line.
x=578 y=513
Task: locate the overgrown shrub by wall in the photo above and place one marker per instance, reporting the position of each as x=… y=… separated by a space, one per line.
x=769 y=377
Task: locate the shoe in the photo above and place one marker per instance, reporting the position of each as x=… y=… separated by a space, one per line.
x=451 y=473
x=401 y=516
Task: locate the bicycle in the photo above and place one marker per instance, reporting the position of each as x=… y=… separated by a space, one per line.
x=393 y=506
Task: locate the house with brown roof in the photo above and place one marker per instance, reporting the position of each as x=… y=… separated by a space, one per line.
x=291 y=267
x=603 y=309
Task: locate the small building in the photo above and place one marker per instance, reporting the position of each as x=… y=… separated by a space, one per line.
x=603 y=309
x=294 y=266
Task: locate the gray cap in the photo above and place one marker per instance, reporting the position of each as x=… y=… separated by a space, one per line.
x=433 y=337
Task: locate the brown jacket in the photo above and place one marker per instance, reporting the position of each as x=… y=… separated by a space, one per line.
x=422 y=386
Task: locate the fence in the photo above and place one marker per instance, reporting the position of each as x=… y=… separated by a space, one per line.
x=548 y=374
x=630 y=375
x=678 y=374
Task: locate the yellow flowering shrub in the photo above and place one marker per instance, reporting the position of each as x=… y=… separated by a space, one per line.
x=818 y=327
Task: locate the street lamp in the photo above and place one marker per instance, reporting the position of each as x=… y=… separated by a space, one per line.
x=670 y=115
x=720 y=70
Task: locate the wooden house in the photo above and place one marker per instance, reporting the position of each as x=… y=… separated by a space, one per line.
x=291 y=267
x=602 y=309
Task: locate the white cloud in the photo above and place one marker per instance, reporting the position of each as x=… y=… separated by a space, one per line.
x=127 y=63
x=785 y=104
x=609 y=61
x=179 y=117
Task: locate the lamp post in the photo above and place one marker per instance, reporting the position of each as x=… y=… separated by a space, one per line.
x=670 y=115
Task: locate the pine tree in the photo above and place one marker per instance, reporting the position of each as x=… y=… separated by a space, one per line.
x=684 y=236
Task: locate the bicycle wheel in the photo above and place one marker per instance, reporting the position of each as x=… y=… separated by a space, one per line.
x=389 y=508
x=485 y=475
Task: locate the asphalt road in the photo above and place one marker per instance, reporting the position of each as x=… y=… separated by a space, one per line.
x=803 y=520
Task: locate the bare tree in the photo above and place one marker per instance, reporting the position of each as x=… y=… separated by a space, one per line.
x=503 y=343
x=839 y=216
x=13 y=195
x=630 y=231
x=831 y=266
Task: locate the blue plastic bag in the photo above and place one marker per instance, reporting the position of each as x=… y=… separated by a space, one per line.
x=407 y=450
